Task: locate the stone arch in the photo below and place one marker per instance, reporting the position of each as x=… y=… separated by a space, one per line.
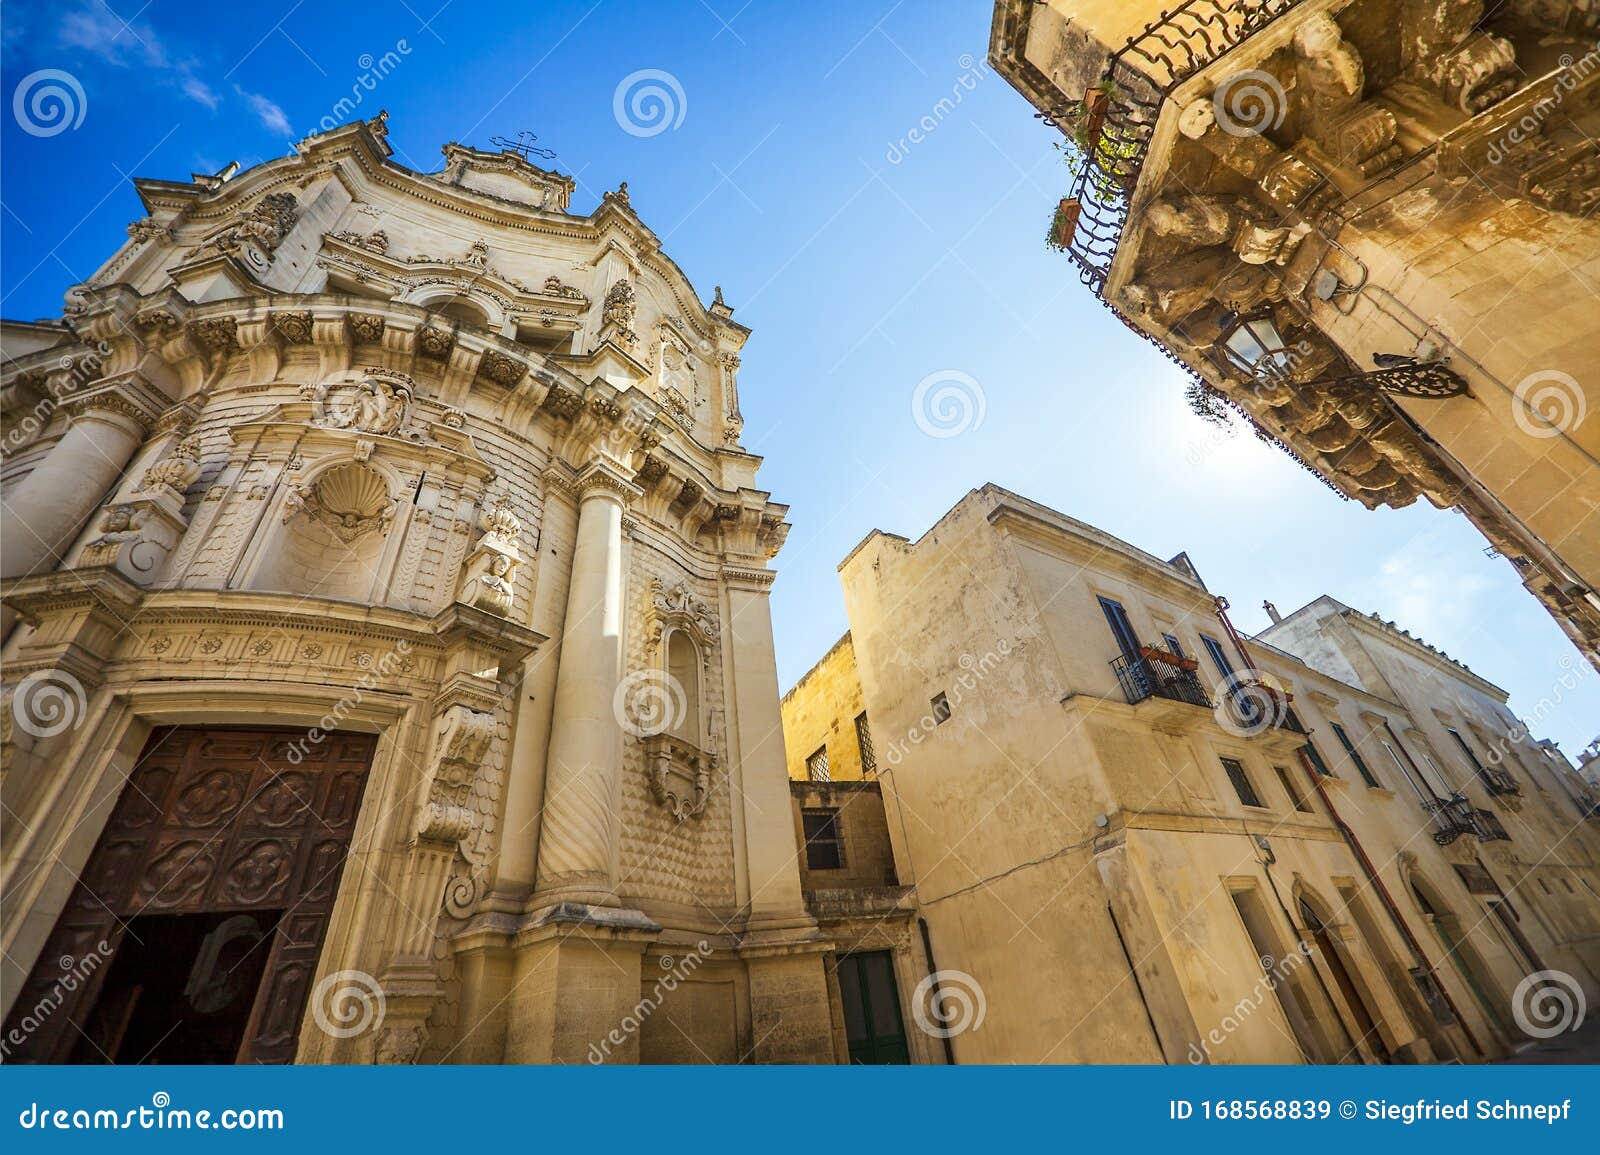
x=459 y=304
x=1459 y=950
x=1319 y=924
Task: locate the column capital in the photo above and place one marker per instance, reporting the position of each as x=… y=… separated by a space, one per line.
x=116 y=400
x=603 y=478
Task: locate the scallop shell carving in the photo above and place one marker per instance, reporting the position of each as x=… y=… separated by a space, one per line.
x=349 y=499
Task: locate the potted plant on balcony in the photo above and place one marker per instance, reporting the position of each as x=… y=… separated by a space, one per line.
x=1064 y=224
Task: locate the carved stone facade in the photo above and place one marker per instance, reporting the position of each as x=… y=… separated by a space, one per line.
x=446 y=514
x=1400 y=192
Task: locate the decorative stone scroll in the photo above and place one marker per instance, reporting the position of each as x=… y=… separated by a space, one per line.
x=379 y=402
x=461 y=741
x=675 y=607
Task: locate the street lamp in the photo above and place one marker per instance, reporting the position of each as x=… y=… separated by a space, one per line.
x=1252 y=344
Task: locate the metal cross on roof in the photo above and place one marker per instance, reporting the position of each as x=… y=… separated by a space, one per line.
x=523 y=146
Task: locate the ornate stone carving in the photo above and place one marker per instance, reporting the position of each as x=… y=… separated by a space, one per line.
x=350 y=499
x=680 y=775
x=618 y=314
x=148 y=229
x=294 y=327
x=1331 y=78
x=376 y=241
x=378 y=403
x=262 y=227
x=461 y=741
x=554 y=286
x=501 y=369
x=435 y=344
x=491 y=569
x=676 y=607
x=219 y=334
x=177 y=471
x=366 y=326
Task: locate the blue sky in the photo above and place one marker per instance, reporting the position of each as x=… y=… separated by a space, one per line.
x=864 y=260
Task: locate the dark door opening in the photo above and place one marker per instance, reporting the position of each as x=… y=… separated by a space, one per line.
x=181 y=990
x=872 y=1024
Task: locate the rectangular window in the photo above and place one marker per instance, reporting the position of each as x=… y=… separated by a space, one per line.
x=941 y=709
x=1317 y=763
x=1472 y=759
x=1121 y=628
x=824 y=847
x=1219 y=657
x=1241 y=782
x=1292 y=791
x=1355 y=756
x=869 y=760
x=1174 y=646
x=817 y=765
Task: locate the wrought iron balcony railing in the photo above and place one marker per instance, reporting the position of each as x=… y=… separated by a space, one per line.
x=1143 y=678
x=1498 y=782
x=1455 y=816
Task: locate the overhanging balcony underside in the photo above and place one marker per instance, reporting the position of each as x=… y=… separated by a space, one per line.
x=1455 y=816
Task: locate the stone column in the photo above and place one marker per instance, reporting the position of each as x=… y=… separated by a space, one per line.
x=771 y=852
x=42 y=514
x=579 y=829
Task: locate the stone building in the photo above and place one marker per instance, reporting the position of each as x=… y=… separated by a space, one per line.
x=1366 y=225
x=388 y=660
x=1134 y=835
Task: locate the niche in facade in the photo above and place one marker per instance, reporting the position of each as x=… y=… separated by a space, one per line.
x=333 y=535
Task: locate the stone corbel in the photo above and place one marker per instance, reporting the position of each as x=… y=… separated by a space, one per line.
x=680 y=775
x=676 y=607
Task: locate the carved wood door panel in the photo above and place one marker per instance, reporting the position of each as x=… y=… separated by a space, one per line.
x=210 y=820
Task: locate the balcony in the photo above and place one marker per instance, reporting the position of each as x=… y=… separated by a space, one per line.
x=1455 y=816
x=1498 y=782
x=1156 y=677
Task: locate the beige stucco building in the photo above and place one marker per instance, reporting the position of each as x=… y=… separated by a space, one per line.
x=387 y=634
x=1133 y=835
x=1366 y=225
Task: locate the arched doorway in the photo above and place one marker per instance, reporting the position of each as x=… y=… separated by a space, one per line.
x=1366 y=1018
x=195 y=928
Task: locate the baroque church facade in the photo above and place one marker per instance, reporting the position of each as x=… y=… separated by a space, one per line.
x=387 y=649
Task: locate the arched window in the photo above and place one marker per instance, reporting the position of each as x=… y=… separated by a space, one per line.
x=683 y=667
x=462 y=309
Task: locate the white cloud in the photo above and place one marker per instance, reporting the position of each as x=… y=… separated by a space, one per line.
x=271 y=116
x=200 y=92
x=95 y=28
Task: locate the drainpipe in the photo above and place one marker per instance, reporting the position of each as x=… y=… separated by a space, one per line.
x=1238 y=643
x=933 y=978
x=1386 y=899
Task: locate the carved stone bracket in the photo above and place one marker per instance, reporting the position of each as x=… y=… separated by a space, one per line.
x=680 y=775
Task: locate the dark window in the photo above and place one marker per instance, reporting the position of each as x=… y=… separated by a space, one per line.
x=1317 y=763
x=869 y=760
x=941 y=709
x=1219 y=659
x=1292 y=790
x=1121 y=628
x=1355 y=756
x=1472 y=758
x=871 y=1003
x=1174 y=645
x=817 y=765
x=824 y=847
x=1241 y=782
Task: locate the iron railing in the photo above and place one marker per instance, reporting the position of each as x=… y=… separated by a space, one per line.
x=1143 y=678
x=1455 y=816
x=1498 y=782
x=1139 y=77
